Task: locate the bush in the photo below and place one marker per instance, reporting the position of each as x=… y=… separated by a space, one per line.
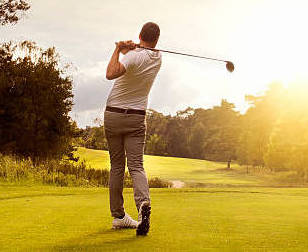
x=159 y=183
x=13 y=169
x=60 y=173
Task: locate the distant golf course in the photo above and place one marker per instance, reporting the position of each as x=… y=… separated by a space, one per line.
x=233 y=214
x=193 y=172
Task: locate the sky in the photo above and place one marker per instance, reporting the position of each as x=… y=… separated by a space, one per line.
x=265 y=39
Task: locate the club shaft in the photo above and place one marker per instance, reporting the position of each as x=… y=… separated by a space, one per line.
x=184 y=54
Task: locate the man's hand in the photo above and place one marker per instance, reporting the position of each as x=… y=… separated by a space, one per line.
x=125 y=46
x=115 y=69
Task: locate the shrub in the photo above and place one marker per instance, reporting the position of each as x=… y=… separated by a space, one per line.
x=60 y=173
x=159 y=183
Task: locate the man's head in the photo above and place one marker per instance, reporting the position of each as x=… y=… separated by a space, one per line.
x=149 y=34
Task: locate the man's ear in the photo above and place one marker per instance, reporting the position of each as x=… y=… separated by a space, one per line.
x=155 y=43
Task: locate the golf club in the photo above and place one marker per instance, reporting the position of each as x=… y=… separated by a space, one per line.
x=229 y=64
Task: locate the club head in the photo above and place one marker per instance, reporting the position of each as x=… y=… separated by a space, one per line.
x=230 y=66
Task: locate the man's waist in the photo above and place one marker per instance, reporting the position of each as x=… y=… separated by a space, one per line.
x=125 y=111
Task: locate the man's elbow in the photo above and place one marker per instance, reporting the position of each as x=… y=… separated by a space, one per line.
x=111 y=75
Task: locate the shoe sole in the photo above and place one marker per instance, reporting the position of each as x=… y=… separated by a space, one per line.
x=116 y=228
x=144 y=226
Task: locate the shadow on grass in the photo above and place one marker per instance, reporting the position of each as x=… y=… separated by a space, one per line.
x=226 y=191
x=36 y=195
x=226 y=171
x=103 y=240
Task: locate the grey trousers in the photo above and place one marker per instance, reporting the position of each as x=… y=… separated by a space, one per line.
x=125 y=135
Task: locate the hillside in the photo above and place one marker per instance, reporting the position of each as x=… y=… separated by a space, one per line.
x=193 y=172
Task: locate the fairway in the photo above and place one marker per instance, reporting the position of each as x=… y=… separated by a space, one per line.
x=194 y=172
x=53 y=219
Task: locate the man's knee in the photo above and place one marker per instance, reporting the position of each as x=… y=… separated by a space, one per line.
x=135 y=163
x=117 y=160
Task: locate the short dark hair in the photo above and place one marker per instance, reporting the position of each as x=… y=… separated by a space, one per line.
x=150 y=32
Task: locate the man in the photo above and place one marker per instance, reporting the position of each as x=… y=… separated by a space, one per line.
x=124 y=122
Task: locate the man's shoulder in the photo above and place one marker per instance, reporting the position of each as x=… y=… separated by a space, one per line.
x=132 y=54
x=135 y=55
x=141 y=56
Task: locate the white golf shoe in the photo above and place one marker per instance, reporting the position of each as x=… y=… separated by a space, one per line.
x=144 y=218
x=126 y=222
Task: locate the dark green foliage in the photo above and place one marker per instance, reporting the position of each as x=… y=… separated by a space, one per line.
x=176 y=137
x=155 y=135
x=196 y=141
x=193 y=133
x=159 y=183
x=93 y=138
x=156 y=145
x=11 y=10
x=35 y=99
x=222 y=135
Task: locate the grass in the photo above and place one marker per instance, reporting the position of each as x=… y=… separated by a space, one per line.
x=234 y=214
x=45 y=218
x=191 y=171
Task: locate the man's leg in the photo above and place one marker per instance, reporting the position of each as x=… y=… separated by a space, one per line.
x=117 y=161
x=134 y=146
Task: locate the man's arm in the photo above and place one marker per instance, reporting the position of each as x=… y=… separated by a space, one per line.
x=115 y=69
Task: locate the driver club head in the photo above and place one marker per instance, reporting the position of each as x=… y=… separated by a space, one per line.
x=230 y=66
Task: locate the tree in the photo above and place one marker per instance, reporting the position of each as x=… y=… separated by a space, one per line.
x=35 y=99
x=11 y=10
x=222 y=133
x=156 y=145
x=257 y=125
x=176 y=138
x=288 y=145
x=196 y=141
x=156 y=123
x=93 y=138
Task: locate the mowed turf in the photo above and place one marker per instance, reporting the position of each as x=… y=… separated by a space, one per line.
x=55 y=219
x=191 y=171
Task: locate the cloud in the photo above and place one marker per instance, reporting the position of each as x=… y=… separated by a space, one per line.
x=91 y=90
x=86 y=117
x=175 y=89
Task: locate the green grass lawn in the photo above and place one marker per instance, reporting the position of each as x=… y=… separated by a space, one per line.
x=234 y=214
x=45 y=218
x=190 y=171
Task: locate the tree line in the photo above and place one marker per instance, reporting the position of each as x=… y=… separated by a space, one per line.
x=210 y=134
x=271 y=135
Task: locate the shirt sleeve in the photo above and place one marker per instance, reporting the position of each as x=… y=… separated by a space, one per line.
x=129 y=60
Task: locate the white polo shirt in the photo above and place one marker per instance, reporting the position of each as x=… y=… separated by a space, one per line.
x=131 y=90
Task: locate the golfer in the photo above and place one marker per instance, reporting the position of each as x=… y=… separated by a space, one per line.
x=125 y=124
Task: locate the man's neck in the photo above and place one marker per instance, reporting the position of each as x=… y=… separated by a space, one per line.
x=145 y=44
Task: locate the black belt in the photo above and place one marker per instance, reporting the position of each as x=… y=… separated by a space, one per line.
x=126 y=111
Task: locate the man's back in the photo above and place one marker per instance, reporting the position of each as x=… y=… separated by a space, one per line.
x=131 y=90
